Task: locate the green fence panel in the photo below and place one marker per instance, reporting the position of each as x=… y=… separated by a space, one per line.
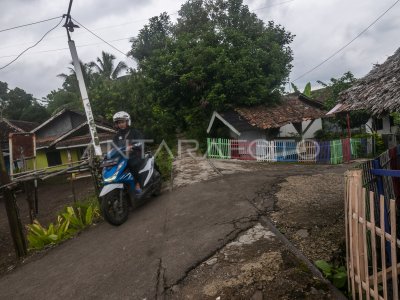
x=219 y=148
x=336 y=152
x=355 y=144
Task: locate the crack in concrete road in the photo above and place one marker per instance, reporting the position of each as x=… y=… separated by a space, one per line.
x=161 y=279
x=202 y=260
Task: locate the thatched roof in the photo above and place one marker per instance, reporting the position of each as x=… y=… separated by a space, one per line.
x=378 y=92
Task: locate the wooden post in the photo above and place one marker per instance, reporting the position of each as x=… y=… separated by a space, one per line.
x=29 y=191
x=383 y=244
x=348 y=125
x=373 y=245
x=94 y=165
x=349 y=192
x=355 y=240
x=14 y=220
x=72 y=174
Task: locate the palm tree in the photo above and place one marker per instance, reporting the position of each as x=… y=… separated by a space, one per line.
x=70 y=81
x=105 y=66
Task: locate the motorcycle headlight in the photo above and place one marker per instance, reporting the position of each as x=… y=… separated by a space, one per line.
x=114 y=176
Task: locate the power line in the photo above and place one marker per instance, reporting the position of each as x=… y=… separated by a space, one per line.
x=115 y=48
x=66 y=48
x=141 y=20
x=29 y=24
x=346 y=45
x=3 y=67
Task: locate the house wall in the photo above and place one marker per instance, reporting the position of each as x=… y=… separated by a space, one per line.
x=252 y=135
x=289 y=130
x=387 y=129
x=60 y=125
x=317 y=125
x=41 y=159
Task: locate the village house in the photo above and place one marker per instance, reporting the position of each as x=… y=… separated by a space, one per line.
x=295 y=117
x=63 y=138
x=378 y=93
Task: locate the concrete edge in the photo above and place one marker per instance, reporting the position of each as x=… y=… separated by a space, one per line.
x=336 y=293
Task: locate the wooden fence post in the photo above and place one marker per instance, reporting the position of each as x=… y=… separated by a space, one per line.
x=354 y=239
x=14 y=220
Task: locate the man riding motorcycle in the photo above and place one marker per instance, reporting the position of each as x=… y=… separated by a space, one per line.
x=132 y=139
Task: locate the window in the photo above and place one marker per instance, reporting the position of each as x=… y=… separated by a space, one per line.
x=378 y=123
x=53 y=158
x=391 y=120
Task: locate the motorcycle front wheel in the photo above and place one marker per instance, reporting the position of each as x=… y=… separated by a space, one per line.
x=114 y=207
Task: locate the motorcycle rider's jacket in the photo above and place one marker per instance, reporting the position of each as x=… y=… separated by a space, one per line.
x=130 y=137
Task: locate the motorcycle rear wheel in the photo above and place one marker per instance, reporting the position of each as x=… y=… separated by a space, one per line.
x=115 y=210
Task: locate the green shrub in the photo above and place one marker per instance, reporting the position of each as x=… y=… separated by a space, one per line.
x=322 y=135
x=164 y=162
x=70 y=221
x=337 y=275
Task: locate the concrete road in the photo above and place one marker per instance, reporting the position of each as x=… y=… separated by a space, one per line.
x=157 y=246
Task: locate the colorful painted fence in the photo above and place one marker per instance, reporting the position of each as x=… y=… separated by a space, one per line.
x=333 y=152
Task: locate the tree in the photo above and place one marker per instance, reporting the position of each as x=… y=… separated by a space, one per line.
x=62 y=99
x=70 y=83
x=218 y=55
x=332 y=91
x=335 y=86
x=16 y=104
x=105 y=66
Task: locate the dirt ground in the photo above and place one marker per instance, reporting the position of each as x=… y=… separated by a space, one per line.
x=309 y=210
x=255 y=266
x=53 y=195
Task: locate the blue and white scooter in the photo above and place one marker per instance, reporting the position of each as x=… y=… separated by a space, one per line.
x=118 y=193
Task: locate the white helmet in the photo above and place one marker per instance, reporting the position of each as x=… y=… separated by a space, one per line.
x=122 y=115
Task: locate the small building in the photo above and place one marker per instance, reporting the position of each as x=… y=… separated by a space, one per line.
x=12 y=126
x=296 y=116
x=379 y=94
x=64 y=137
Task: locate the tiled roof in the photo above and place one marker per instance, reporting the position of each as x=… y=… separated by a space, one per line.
x=292 y=109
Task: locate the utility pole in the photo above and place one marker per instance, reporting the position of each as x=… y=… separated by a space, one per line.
x=14 y=220
x=69 y=25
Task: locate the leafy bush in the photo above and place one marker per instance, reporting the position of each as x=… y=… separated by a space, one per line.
x=70 y=221
x=337 y=275
x=322 y=135
x=164 y=162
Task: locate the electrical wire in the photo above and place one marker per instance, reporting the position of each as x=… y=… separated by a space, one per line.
x=115 y=48
x=66 y=48
x=132 y=22
x=29 y=24
x=346 y=45
x=6 y=65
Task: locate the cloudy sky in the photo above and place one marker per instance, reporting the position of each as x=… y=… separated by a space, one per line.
x=321 y=28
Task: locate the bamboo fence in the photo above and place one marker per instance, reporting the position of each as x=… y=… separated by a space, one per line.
x=371 y=250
